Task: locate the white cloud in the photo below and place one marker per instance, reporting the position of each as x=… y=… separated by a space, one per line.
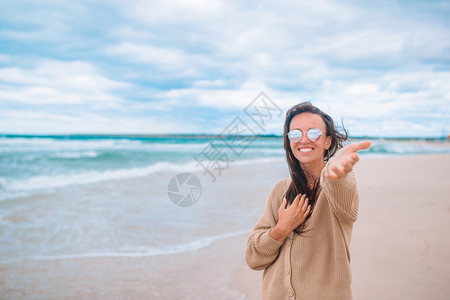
x=86 y=122
x=169 y=12
x=374 y=63
x=5 y=58
x=149 y=54
x=58 y=82
x=214 y=83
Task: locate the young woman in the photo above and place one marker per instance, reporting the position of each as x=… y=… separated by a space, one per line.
x=302 y=239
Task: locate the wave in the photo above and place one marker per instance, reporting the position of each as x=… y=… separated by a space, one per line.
x=259 y=151
x=70 y=148
x=76 y=155
x=51 y=143
x=11 y=188
x=405 y=148
x=139 y=251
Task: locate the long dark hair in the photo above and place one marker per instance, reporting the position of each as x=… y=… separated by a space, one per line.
x=299 y=184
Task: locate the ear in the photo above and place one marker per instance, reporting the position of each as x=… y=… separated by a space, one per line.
x=328 y=140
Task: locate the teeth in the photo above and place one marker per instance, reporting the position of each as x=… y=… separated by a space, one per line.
x=305 y=149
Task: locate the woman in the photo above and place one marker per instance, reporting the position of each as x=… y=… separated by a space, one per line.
x=302 y=239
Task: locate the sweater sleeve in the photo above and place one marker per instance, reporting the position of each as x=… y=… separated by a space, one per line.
x=262 y=249
x=342 y=194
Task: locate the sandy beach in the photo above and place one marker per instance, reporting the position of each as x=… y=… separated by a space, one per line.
x=400 y=246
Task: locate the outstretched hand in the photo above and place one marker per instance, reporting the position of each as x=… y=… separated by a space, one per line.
x=344 y=160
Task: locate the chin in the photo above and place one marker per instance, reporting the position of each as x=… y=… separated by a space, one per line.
x=305 y=161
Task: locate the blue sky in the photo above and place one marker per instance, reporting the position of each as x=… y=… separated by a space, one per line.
x=193 y=66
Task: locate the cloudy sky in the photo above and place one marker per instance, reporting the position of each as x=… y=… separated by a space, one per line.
x=193 y=66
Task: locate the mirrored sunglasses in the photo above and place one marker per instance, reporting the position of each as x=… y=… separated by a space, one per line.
x=296 y=135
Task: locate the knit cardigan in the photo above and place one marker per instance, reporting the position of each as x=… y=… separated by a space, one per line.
x=315 y=264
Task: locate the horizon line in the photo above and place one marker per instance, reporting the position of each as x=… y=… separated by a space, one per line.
x=204 y=135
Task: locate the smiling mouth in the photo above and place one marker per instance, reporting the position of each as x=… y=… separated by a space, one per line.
x=304 y=150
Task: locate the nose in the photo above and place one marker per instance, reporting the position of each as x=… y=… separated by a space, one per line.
x=304 y=138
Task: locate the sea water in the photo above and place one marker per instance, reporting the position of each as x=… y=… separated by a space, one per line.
x=75 y=196
x=31 y=164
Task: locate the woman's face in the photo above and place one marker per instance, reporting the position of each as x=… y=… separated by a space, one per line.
x=305 y=150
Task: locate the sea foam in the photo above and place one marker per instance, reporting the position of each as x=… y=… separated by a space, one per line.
x=137 y=251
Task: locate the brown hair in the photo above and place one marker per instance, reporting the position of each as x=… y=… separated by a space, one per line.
x=299 y=184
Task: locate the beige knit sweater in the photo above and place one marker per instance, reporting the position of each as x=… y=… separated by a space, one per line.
x=315 y=265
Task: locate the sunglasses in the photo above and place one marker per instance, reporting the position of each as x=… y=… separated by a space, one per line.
x=296 y=135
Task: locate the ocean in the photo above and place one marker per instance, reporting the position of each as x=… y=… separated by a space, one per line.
x=76 y=196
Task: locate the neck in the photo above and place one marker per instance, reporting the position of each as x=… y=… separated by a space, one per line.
x=313 y=170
